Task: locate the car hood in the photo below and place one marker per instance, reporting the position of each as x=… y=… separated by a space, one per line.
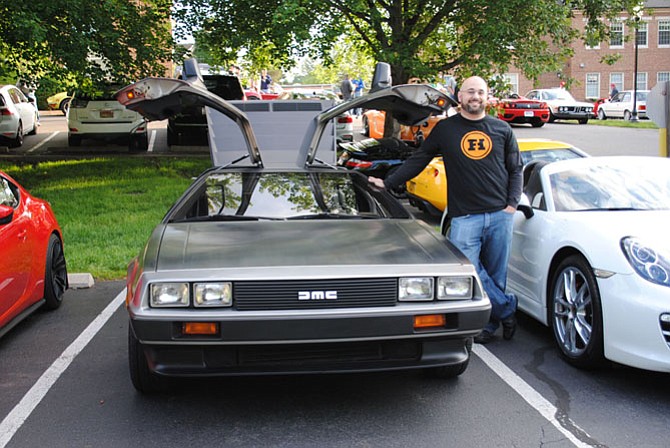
x=268 y=244
x=160 y=98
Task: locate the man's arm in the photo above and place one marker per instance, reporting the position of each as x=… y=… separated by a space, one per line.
x=514 y=167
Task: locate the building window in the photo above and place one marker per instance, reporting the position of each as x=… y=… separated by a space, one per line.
x=641 y=81
x=664 y=33
x=593 y=85
x=616 y=78
x=642 y=34
x=616 y=35
x=662 y=77
x=513 y=80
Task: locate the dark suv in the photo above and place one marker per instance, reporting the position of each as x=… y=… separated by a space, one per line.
x=190 y=126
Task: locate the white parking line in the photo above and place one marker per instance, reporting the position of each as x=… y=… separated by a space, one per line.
x=532 y=397
x=152 y=140
x=34 y=148
x=15 y=419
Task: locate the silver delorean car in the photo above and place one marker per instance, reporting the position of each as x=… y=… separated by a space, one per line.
x=292 y=265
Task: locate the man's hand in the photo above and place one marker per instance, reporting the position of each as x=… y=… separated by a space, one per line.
x=377 y=182
x=509 y=209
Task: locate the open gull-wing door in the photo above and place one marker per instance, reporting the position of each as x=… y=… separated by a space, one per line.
x=160 y=98
x=409 y=104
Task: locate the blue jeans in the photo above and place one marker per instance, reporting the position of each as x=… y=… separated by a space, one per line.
x=486 y=239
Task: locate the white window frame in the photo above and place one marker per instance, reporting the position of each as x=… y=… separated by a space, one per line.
x=642 y=29
x=663 y=22
x=592 y=87
x=662 y=77
x=513 y=80
x=619 y=84
x=642 y=76
x=620 y=33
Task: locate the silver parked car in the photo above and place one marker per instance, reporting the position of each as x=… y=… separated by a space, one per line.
x=562 y=105
x=281 y=265
x=621 y=106
x=18 y=116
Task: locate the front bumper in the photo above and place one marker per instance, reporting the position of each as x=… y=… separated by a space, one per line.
x=314 y=344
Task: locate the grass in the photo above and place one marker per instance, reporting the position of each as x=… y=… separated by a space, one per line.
x=107 y=207
x=618 y=123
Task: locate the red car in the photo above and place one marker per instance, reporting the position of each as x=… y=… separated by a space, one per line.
x=518 y=109
x=32 y=262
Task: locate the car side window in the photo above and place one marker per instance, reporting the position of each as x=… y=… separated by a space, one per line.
x=7 y=194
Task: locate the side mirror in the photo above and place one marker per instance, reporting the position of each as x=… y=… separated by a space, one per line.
x=6 y=214
x=191 y=70
x=527 y=210
x=381 y=79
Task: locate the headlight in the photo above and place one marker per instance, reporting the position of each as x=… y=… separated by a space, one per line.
x=652 y=264
x=415 y=289
x=169 y=294
x=454 y=288
x=213 y=294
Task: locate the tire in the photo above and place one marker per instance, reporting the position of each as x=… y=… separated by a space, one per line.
x=55 y=276
x=446 y=372
x=601 y=115
x=18 y=140
x=552 y=117
x=74 y=140
x=64 y=106
x=576 y=313
x=537 y=124
x=366 y=127
x=143 y=379
x=139 y=142
x=627 y=115
x=583 y=120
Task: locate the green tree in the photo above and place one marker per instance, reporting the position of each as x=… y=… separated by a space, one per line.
x=121 y=40
x=416 y=37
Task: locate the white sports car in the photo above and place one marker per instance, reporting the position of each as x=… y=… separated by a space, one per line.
x=591 y=258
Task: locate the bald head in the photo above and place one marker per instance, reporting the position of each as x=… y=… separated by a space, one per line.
x=473 y=98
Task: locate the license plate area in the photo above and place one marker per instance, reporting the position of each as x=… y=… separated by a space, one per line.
x=528 y=113
x=106 y=113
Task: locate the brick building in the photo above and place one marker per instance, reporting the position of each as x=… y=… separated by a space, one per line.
x=592 y=78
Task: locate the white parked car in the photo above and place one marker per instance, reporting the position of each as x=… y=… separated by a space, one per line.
x=591 y=258
x=18 y=116
x=99 y=116
x=621 y=106
x=562 y=105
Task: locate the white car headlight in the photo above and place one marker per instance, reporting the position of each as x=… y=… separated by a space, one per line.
x=652 y=264
x=169 y=294
x=415 y=289
x=454 y=288
x=213 y=294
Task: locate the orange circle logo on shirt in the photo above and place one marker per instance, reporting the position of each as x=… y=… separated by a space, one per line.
x=476 y=145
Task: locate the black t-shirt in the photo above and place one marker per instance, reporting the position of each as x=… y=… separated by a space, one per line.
x=482 y=162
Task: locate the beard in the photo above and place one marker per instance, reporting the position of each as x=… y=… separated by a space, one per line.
x=474 y=107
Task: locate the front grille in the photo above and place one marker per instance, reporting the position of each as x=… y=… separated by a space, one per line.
x=284 y=294
x=665 y=328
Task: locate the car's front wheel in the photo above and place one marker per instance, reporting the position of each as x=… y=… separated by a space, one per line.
x=626 y=115
x=55 y=277
x=576 y=313
x=601 y=115
x=552 y=117
x=64 y=106
x=143 y=378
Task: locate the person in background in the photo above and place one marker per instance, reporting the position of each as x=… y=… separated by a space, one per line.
x=266 y=81
x=613 y=92
x=484 y=181
x=359 y=86
x=347 y=88
x=28 y=90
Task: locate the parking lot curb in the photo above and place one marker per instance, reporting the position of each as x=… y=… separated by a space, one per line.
x=80 y=281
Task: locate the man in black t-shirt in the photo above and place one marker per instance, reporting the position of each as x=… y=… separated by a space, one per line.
x=484 y=181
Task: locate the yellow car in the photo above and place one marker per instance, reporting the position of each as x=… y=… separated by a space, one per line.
x=428 y=190
x=60 y=101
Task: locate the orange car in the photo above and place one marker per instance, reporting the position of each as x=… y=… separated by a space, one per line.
x=373 y=126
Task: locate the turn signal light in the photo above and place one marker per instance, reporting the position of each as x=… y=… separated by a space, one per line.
x=430 y=321
x=130 y=94
x=200 y=328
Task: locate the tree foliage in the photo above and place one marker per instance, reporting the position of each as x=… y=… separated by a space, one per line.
x=121 y=40
x=417 y=37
